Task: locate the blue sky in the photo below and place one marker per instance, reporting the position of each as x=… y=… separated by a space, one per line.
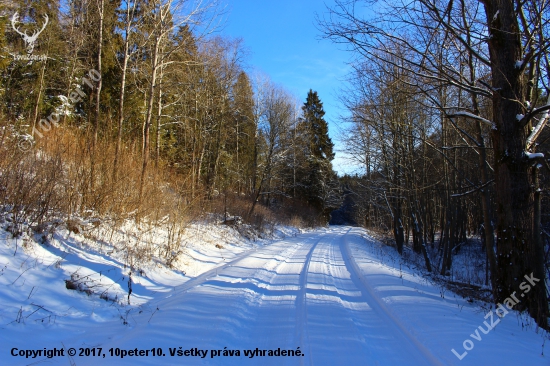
x=284 y=42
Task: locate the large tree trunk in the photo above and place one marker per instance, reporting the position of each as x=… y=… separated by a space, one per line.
x=516 y=250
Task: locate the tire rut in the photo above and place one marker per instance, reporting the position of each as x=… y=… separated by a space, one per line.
x=378 y=305
x=302 y=334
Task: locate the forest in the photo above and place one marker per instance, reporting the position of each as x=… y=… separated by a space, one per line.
x=448 y=106
x=137 y=94
x=138 y=110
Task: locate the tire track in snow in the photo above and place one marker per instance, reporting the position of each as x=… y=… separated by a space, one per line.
x=337 y=256
x=341 y=310
x=378 y=305
x=270 y=257
x=202 y=278
x=302 y=334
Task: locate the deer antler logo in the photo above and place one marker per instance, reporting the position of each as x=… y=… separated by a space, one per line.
x=30 y=40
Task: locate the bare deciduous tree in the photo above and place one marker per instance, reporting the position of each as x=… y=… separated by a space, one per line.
x=496 y=52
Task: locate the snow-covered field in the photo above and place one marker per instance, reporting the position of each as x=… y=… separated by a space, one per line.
x=326 y=297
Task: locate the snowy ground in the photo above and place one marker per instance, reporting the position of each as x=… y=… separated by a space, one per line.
x=327 y=297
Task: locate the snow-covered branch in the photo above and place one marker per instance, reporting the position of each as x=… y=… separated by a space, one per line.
x=542 y=122
x=473 y=116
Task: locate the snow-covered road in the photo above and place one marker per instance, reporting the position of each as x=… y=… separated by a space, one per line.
x=332 y=297
x=305 y=292
x=326 y=292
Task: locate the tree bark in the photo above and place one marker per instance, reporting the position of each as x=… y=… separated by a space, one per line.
x=516 y=250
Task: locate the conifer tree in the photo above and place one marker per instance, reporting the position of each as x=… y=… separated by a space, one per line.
x=319 y=142
x=245 y=130
x=318 y=182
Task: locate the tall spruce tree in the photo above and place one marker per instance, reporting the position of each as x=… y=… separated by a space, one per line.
x=318 y=183
x=320 y=143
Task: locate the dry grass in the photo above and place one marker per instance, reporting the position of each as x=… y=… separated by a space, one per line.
x=63 y=180
x=63 y=174
x=290 y=212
